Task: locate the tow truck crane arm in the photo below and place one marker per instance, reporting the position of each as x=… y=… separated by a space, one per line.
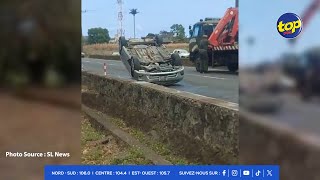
x=307 y=15
x=226 y=30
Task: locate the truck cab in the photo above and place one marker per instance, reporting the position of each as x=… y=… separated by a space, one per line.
x=198 y=30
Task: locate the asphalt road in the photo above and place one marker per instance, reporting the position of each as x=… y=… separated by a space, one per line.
x=290 y=110
x=304 y=116
x=218 y=83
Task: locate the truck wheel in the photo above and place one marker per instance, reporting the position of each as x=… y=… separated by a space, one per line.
x=233 y=67
x=122 y=42
x=135 y=65
x=203 y=61
x=197 y=64
x=176 y=60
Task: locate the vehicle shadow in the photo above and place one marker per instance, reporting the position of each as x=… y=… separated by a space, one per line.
x=174 y=85
x=219 y=70
x=222 y=71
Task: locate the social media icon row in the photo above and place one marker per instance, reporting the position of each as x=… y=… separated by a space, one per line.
x=256 y=173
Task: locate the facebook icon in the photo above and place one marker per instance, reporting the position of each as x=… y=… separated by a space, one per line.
x=224 y=172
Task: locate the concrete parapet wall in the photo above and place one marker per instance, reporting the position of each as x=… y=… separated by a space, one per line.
x=263 y=141
x=204 y=130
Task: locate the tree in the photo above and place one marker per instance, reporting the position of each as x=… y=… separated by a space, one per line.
x=166 y=34
x=84 y=40
x=150 y=35
x=178 y=31
x=98 y=35
x=134 y=12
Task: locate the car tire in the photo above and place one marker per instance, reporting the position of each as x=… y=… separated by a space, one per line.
x=122 y=42
x=159 y=40
x=135 y=65
x=176 y=60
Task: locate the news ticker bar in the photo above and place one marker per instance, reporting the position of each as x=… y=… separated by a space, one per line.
x=137 y=172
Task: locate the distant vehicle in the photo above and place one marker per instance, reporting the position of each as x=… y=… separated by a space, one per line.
x=82 y=54
x=147 y=60
x=115 y=54
x=182 y=53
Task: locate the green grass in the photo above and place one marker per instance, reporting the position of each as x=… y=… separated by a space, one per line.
x=133 y=157
x=88 y=133
x=114 y=153
x=160 y=148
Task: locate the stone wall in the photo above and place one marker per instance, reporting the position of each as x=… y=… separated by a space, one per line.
x=263 y=141
x=203 y=130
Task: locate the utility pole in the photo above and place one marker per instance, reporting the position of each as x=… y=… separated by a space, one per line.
x=134 y=12
x=237 y=3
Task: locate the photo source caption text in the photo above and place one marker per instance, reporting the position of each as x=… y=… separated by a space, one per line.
x=37 y=154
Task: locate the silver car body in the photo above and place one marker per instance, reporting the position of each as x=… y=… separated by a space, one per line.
x=155 y=61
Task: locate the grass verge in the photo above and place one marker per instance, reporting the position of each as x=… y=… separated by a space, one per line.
x=103 y=148
x=160 y=148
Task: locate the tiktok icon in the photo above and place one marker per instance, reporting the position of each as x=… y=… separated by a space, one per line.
x=258 y=173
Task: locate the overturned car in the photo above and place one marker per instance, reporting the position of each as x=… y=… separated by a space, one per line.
x=147 y=60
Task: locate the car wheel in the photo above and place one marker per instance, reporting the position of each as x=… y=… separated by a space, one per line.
x=176 y=60
x=159 y=40
x=122 y=42
x=135 y=65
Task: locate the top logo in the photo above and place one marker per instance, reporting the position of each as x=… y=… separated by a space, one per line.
x=289 y=25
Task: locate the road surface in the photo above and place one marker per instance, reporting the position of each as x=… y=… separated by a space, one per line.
x=301 y=115
x=291 y=109
x=217 y=83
